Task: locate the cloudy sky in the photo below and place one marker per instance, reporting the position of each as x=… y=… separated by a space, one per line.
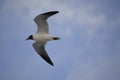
x=89 y=48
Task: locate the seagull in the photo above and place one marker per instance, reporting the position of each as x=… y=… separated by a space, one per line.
x=42 y=35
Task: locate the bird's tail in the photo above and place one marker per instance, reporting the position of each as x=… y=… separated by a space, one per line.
x=56 y=38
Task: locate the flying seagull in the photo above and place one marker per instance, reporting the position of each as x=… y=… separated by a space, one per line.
x=42 y=35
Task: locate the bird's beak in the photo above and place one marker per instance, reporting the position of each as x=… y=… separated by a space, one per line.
x=26 y=39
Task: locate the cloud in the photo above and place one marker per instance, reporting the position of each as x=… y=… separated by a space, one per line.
x=96 y=70
x=76 y=16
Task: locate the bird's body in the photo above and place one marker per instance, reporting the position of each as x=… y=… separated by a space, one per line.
x=42 y=36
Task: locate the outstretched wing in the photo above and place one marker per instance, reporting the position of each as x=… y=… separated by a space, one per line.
x=41 y=21
x=39 y=48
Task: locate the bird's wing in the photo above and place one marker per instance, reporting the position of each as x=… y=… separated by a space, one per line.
x=41 y=21
x=42 y=52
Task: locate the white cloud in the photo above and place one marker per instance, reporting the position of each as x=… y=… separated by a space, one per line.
x=105 y=69
x=87 y=16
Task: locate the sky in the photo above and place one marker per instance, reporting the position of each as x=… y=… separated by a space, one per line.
x=89 y=48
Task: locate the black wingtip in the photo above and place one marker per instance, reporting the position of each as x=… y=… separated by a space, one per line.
x=47 y=15
x=54 y=11
x=50 y=62
x=50 y=13
x=47 y=59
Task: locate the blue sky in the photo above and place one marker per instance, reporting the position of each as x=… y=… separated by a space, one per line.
x=89 y=48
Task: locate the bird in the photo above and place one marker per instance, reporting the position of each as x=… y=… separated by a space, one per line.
x=42 y=36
